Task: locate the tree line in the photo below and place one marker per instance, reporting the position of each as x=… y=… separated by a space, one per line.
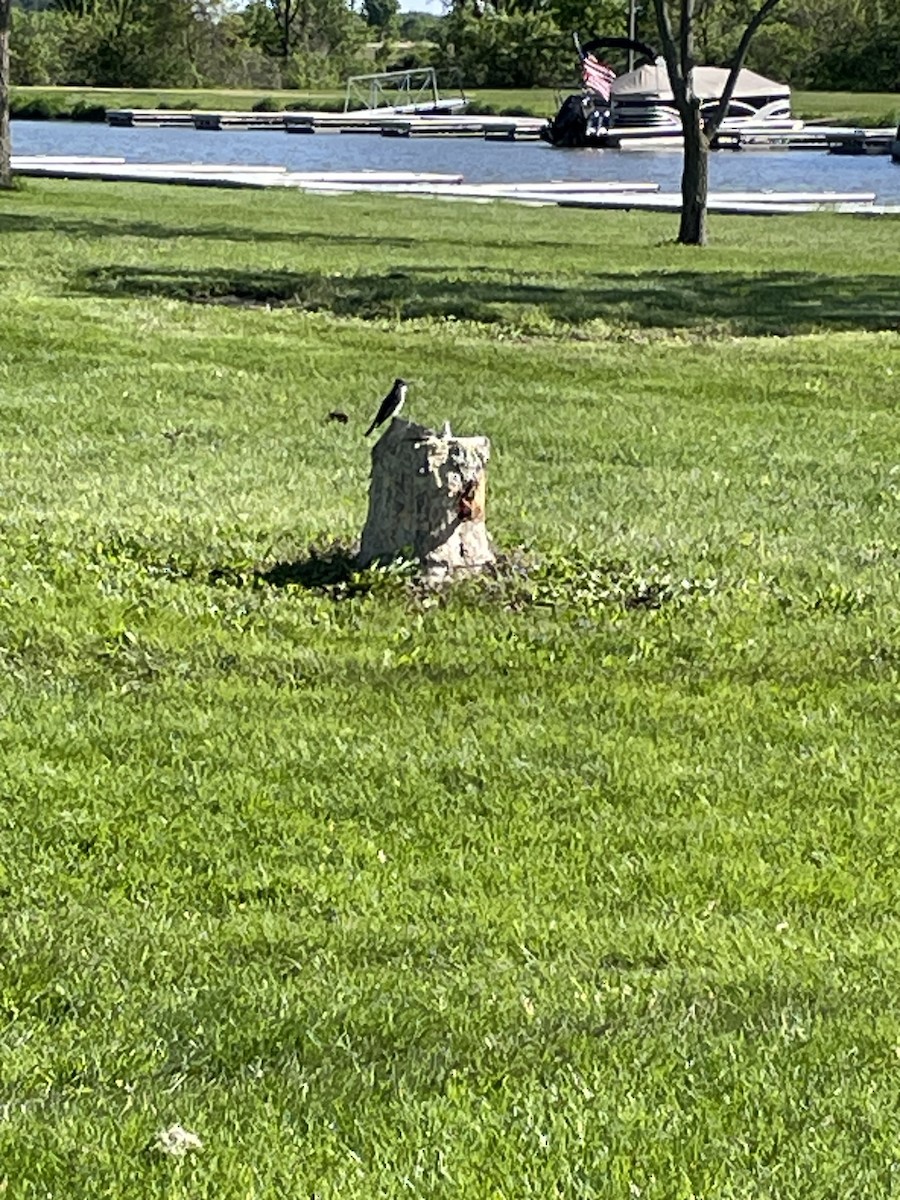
x=816 y=44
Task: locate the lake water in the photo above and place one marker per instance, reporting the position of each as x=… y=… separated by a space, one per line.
x=477 y=160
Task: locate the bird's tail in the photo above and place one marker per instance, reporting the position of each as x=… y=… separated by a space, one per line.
x=371 y=427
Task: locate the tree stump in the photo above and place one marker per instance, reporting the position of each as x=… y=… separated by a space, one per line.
x=427 y=499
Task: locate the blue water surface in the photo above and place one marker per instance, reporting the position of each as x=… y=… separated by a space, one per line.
x=477 y=160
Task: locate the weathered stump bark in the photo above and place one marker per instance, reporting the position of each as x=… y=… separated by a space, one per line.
x=427 y=500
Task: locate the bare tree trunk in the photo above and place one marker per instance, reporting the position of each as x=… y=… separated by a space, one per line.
x=5 y=138
x=678 y=51
x=694 y=178
x=427 y=501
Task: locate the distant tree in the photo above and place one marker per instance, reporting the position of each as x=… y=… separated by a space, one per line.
x=131 y=43
x=419 y=26
x=39 y=52
x=287 y=14
x=593 y=18
x=5 y=139
x=489 y=48
x=295 y=29
x=381 y=15
x=699 y=129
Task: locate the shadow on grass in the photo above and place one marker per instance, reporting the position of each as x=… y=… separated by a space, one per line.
x=516 y=581
x=334 y=567
x=726 y=302
x=85 y=228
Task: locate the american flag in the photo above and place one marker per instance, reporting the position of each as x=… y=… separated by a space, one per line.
x=596 y=76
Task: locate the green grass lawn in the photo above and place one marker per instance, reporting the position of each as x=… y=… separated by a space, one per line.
x=580 y=882
x=849 y=108
x=61 y=101
x=843 y=108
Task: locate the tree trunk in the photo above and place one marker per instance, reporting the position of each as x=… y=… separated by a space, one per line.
x=5 y=139
x=426 y=500
x=694 y=177
x=698 y=133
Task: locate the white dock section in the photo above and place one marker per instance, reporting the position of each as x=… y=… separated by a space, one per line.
x=216 y=174
x=768 y=135
x=199 y=174
x=610 y=194
x=418 y=125
x=621 y=196
x=388 y=122
x=149 y=117
x=189 y=119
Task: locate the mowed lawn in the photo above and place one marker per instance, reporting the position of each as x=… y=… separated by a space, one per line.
x=580 y=882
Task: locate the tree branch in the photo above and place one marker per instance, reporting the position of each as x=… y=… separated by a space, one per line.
x=670 y=53
x=712 y=123
x=687 y=37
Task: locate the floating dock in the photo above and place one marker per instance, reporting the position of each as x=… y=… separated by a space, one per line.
x=404 y=121
x=608 y=194
x=431 y=122
x=860 y=141
x=218 y=174
x=418 y=125
x=151 y=118
x=764 y=136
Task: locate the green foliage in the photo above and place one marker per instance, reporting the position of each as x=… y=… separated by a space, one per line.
x=316 y=43
x=142 y=41
x=578 y=880
x=414 y=58
x=88 y=112
x=39 y=49
x=316 y=39
x=592 y=18
x=37 y=108
x=870 y=53
x=506 y=50
x=481 y=108
x=314 y=69
x=419 y=26
x=819 y=44
x=381 y=15
x=266 y=104
x=144 y=44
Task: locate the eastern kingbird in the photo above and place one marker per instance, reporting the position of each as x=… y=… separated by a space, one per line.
x=390 y=405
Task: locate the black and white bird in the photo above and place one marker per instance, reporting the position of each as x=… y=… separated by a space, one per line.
x=390 y=405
